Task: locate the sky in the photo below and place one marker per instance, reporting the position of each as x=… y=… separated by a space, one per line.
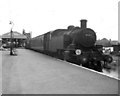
x=41 y=16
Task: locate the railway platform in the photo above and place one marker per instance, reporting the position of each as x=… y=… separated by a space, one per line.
x=30 y=72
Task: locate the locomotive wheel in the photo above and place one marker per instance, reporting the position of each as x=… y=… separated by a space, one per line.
x=98 y=67
x=86 y=65
x=95 y=66
x=66 y=55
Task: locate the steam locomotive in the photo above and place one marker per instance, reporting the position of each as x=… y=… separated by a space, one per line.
x=74 y=44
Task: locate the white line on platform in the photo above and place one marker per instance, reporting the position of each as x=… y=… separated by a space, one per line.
x=90 y=69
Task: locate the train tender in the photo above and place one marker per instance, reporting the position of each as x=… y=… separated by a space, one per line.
x=75 y=44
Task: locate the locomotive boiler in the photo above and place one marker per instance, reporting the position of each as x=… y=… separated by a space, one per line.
x=75 y=44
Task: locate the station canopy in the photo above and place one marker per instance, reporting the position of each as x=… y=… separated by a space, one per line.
x=15 y=35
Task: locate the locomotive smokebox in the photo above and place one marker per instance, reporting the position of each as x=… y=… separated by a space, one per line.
x=83 y=23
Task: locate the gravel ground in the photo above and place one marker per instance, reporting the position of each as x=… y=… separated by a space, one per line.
x=115 y=67
x=33 y=73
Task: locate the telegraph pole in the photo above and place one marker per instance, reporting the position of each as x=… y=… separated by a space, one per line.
x=11 y=39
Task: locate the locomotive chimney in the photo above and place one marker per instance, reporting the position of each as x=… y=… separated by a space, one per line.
x=83 y=23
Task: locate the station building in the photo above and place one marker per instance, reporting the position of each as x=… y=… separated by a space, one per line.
x=18 y=39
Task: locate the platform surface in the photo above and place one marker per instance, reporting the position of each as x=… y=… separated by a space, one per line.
x=30 y=72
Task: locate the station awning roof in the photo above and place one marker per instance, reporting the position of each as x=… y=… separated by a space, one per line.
x=15 y=35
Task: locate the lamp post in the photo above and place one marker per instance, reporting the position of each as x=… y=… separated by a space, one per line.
x=11 y=44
